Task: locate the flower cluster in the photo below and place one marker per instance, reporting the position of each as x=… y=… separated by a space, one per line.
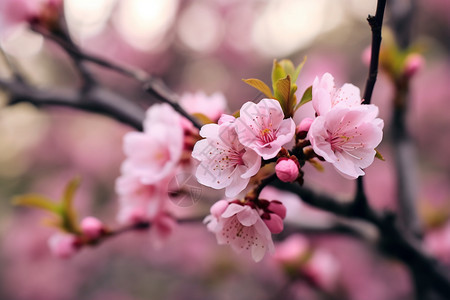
x=344 y=133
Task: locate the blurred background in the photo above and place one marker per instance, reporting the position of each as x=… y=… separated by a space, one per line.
x=210 y=45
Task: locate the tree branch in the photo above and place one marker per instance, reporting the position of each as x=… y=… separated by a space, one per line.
x=393 y=240
x=98 y=100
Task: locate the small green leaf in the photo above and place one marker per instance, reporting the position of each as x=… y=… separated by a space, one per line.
x=68 y=214
x=316 y=164
x=260 y=86
x=307 y=96
x=37 y=201
x=378 y=155
x=297 y=71
x=277 y=74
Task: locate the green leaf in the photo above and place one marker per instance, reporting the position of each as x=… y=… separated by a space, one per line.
x=378 y=155
x=282 y=94
x=202 y=118
x=316 y=164
x=68 y=214
x=297 y=71
x=260 y=86
x=307 y=96
x=37 y=201
x=277 y=74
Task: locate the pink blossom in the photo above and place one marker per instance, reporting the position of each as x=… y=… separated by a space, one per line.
x=226 y=118
x=241 y=227
x=161 y=228
x=261 y=127
x=211 y=106
x=154 y=154
x=139 y=202
x=224 y=162
x=286 y=170
x=62 y=245
x=325 y=96
x=91 y=227
x=347 y=137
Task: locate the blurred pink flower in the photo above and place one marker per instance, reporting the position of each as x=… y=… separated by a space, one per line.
x=139 y=202
x=323 y=269
x=91 y=227
x=224 y=162
x=261 y=127
x=154 y=154
x=347 y=137
x=62 y=245
x=241 y=227
x=15 y=12
x=211 y=106
x=325 y=96
x=292 y=251
x=286 y=170
x=437 y=242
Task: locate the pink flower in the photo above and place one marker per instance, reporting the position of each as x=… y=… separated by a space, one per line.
x=212 y=107
x=286 y=170
x=62 y=245
x=261 y=127
x=241 y=227
x=91 y=227
x=154 y=154
x=347 y=137
x=325 y=96
x=161 y=228
x=224 y=162
x=139 y=202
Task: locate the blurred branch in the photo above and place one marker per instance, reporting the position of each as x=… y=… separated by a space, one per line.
x=150 y=84
x=98 y=100
x=392 y=240
x=404 y=150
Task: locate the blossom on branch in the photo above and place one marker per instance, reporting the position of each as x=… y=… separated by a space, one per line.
x=325 y=96
x=241 y=227
x=224 y=161
x=347 y=137
x=262 y=127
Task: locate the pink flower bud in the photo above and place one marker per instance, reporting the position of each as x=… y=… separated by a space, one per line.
x=287 y=170
x=278 y=208
x=273 y=222
x=366 y=55
x=292 y=250
x=219 y=207
x=226 y=118
x=91 y=227
x=304 y=125
x=414 y=62
x=62 y=245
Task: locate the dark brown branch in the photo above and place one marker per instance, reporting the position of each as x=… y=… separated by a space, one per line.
x=393 y=240
x=376 y=23
x=98 y=100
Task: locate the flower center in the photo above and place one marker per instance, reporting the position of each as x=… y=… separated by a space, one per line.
x=267 y=135
x=229 y=158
